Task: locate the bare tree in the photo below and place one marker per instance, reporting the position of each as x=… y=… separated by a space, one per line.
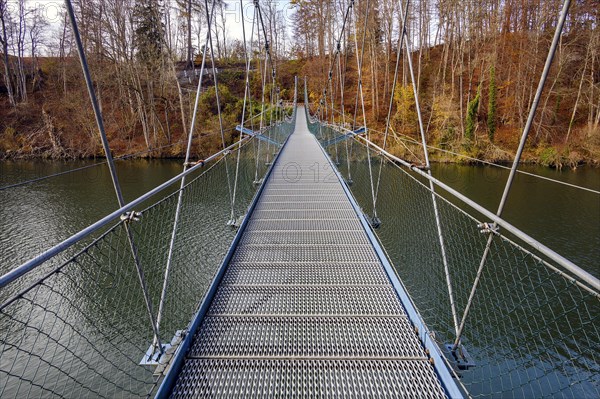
x=4 y=21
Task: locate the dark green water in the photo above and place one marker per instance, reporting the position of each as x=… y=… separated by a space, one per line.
x=565 y=219
x=35 y=216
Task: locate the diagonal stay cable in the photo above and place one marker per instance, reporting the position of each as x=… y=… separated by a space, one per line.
x=251 y=117
x=406 y=138
x=183 y=180
x=359 y=61
x=113 y=172
x=532 y=111
x=262 y=101
x=246 y=98
x=394 y=83
x=428 y=168
x=218 y=100
x=332 y=95
x=336 y=56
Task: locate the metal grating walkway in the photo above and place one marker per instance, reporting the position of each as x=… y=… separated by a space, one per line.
x=305 y=308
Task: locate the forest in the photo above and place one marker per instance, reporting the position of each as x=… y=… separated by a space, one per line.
x=477 y=66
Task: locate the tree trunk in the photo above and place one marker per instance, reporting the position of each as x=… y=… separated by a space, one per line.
x=6 y=60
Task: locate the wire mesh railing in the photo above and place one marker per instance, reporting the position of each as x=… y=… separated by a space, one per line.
x=80 y=327
x=533 y=327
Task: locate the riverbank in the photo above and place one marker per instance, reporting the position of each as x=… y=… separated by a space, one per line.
x=12 y=147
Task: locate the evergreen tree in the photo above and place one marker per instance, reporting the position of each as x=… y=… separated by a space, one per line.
x=472 y=116
x=149 y=30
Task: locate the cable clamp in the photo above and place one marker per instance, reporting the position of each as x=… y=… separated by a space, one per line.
x=488 y=228
x=199 y=162
x=131 y=216
x=419 y=166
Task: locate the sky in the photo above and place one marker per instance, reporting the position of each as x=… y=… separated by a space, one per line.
x=53 y=9
x=233 y=15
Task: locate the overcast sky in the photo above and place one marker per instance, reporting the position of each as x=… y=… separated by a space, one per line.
x=52 y=11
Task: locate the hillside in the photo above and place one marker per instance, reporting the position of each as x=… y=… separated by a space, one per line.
x=57 y=122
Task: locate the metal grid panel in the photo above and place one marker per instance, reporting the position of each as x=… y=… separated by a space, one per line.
x=299 y=254
x=314 y=224
x=301 y=185
x=316 y=188
x=291 y=197
x=316 y=205
x=217 y=378
x=304 y=214
x=283 y=177
x=307 y=337
x=318 y=300
x=304 y=273
x=325 y=237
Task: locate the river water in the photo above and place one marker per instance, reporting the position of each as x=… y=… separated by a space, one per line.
x=38 y=215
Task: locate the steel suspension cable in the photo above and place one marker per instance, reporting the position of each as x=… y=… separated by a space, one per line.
x=217 y=98
x=331 y=89
x=262 y=101
x=438 y=223
x=269 y=58
x=246 y=97
x=112 y=169
x=395 y=81
x=264 y=84
x=183 y=179
x=359 y=69
x=359 y=61
x=479 y=160
x=341 y=77
x=349 y=144
x=337 y=52
x=251 y=111
x=66 y=172
x=119 y=158
x=515 y=165
x=272 y=103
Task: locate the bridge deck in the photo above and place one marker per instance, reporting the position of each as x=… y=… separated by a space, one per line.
x=305 y=308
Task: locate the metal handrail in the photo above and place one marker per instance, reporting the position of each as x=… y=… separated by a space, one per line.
x=569 y=266
x=75 y=238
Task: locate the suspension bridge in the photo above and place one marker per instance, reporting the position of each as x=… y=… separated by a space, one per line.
x=303 y=260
